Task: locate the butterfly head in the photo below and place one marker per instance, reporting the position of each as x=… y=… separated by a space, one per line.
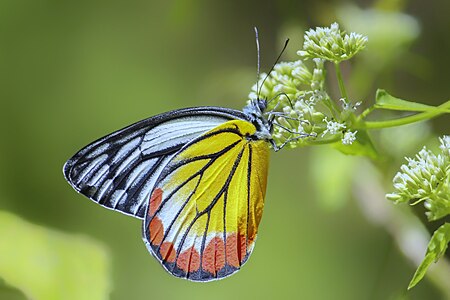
x=256 y=112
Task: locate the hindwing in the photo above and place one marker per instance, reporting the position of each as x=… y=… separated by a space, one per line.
x=206 y=205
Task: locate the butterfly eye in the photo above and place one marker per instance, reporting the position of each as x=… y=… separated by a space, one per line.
x=262 y=105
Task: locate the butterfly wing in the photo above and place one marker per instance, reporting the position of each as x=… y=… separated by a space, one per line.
x=119 y=170
x=204 y=211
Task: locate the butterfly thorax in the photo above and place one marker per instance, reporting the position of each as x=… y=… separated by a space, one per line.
x=255 y=111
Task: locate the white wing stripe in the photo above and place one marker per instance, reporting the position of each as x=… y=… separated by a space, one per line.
x=144 y=194
x=91 y=166
x=100 y=173
x=132 y=158
x=98 y=151
x=186 y=124
x=125 y=150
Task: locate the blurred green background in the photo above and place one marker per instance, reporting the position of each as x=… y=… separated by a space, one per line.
x=73 y=71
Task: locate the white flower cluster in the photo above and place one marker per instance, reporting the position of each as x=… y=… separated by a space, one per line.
x=332 y=127
x=297 y=100
x=330 y=43
x=285 y=79
x=293 y=102
x=445 y=145
x=426 y=178
x=348 y=106
x=296 y=91
x=299 y=119
x=349 y=137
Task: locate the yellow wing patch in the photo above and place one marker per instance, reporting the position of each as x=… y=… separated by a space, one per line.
x=206 y=206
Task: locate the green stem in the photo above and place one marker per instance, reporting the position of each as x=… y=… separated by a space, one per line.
x=340 y=81
x=366 y=112
x=406 y=120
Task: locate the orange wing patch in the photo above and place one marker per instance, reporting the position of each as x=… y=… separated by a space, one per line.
x=204 y=211
x=236 y=249
x=167 y=252
x=213 y=259
x=189 y=260
x=155 y=201
x=156 y=230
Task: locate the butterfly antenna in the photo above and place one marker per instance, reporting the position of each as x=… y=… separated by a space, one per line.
x=276 y=61
x=258 y=62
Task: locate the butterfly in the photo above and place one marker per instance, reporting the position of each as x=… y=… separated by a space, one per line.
x=196 y=177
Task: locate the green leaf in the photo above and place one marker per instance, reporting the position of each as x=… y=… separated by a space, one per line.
x=362 y=146
x=389 y=102
x=47 y=264
x=10 y=293
x=436 y=248
x=385 y=101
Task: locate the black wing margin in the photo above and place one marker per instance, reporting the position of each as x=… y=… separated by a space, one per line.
x=119 y=170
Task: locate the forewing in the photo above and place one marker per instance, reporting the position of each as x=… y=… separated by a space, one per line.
x=119 y=170
x=204 y=211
